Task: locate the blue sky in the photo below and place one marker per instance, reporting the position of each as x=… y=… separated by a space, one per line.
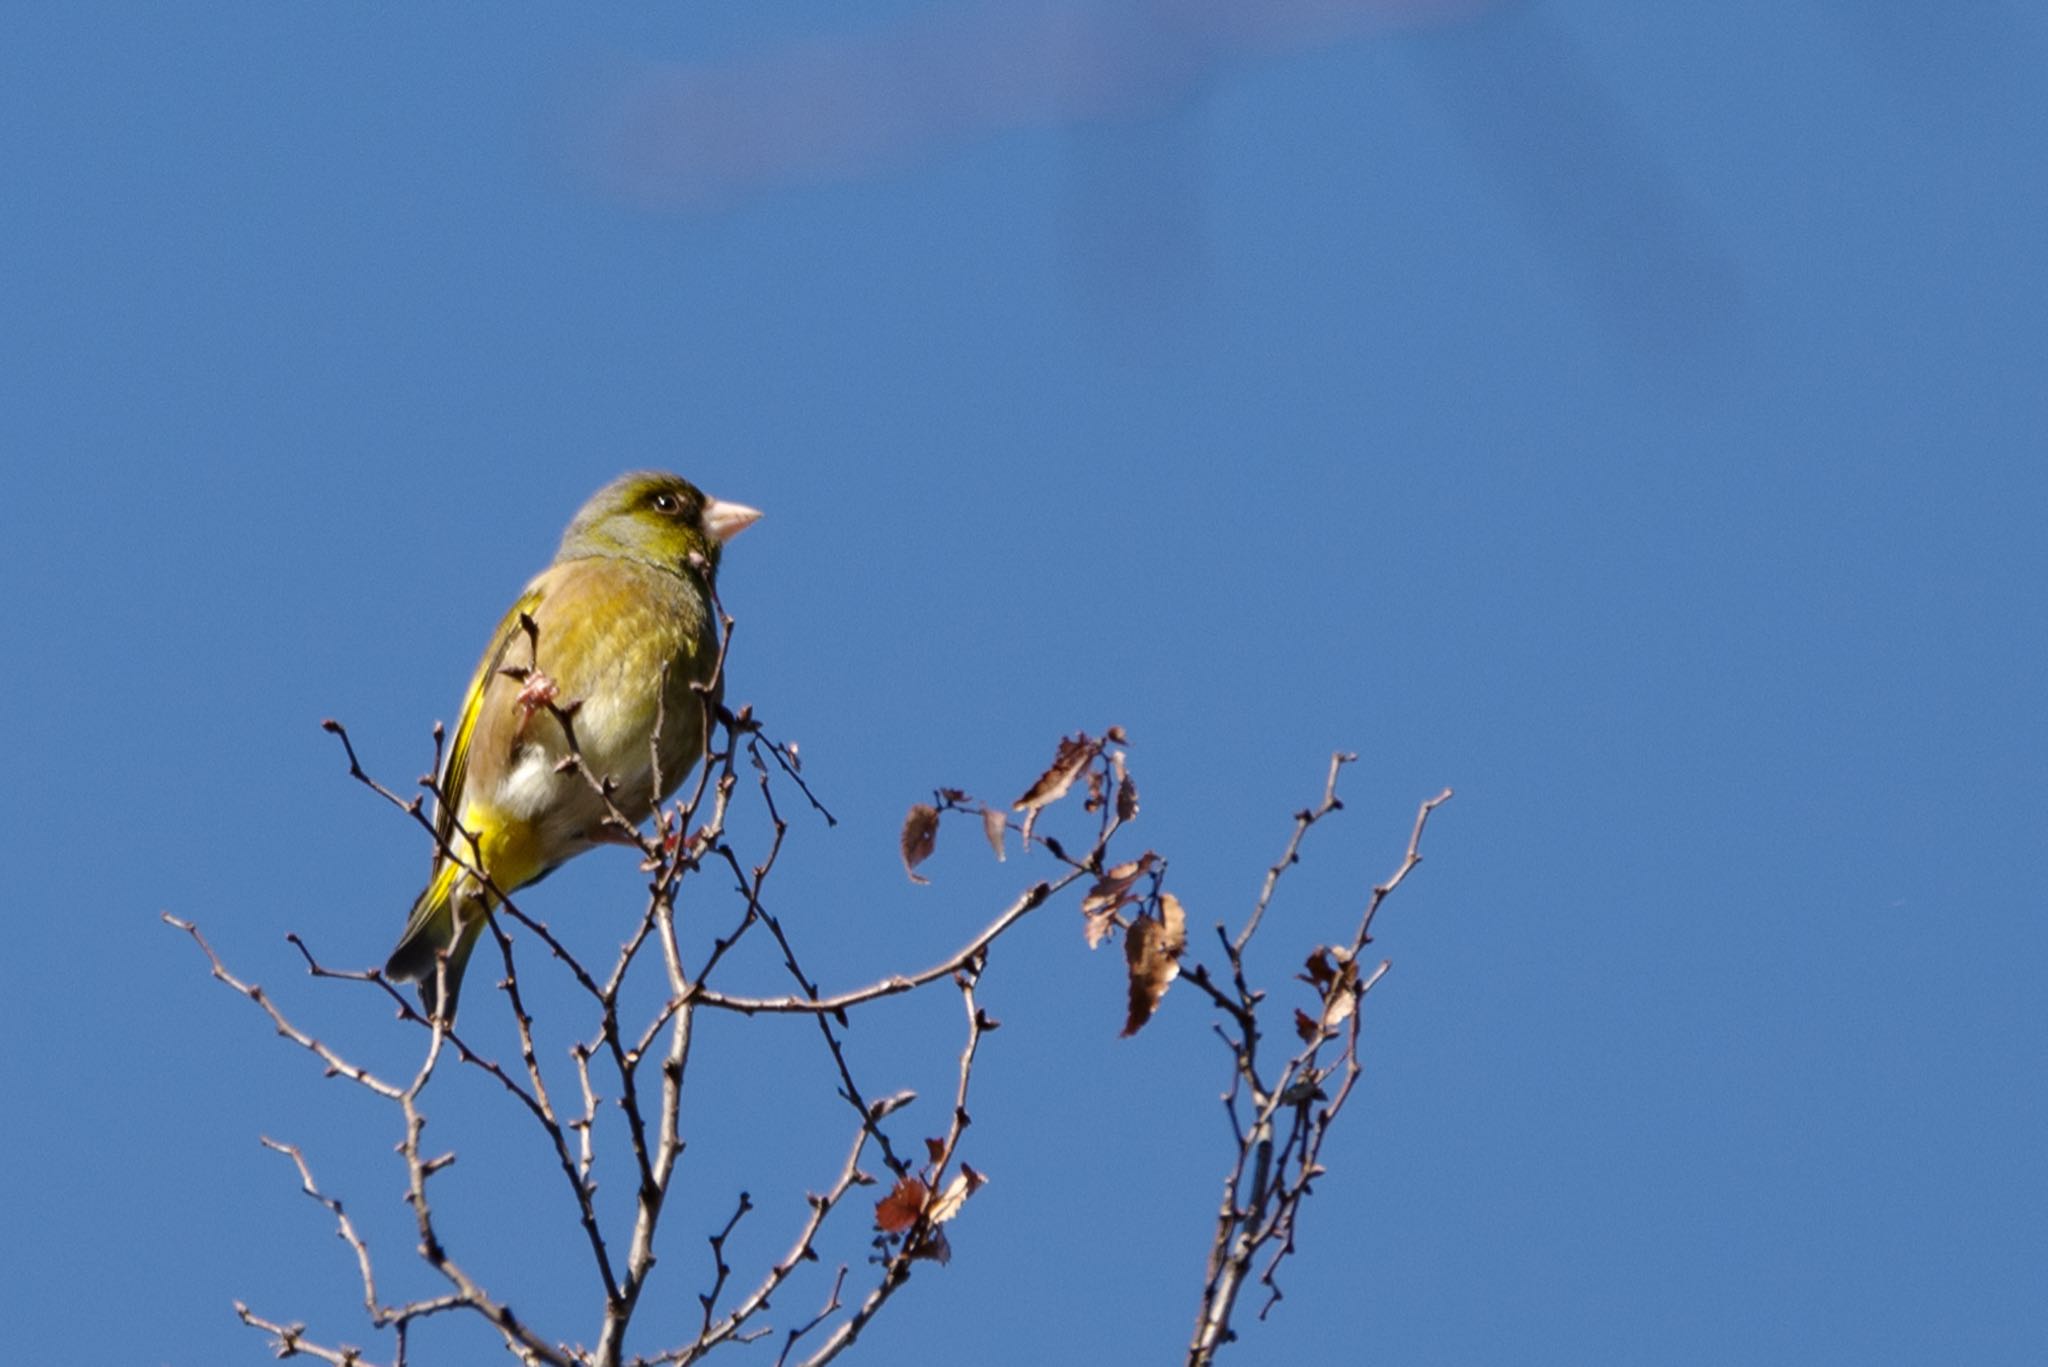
x=1629 y=416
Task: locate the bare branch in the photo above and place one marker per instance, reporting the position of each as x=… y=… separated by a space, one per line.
x=1030 y=901
x=1291 y=856
x=1273 y=1168
x=346 y=1227
x=291 y=1341
x=336 y=1064
x=1279 y=1110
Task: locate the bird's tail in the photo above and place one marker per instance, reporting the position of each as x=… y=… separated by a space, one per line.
x=447 y=918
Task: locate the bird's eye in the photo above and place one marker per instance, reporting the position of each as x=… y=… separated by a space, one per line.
x=666 y=503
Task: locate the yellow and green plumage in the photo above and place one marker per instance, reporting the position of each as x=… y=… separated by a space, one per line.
x=616 y=633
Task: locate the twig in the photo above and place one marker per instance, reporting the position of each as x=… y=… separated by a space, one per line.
x=346 y=1227
x=1272 y=1172
x=1291 y=856
x=336 y=1064
x=1030 y=901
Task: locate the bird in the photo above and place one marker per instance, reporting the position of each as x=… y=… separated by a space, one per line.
x=617 y=642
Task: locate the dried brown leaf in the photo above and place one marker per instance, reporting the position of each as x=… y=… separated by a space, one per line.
x=1175 y=918
x=899 y=1210
x=935 y=1149
x=993 y=824
x=1304 y=1089
x=1306 y=1027
x=964 y=1184
x=1096 y=929
x=933 y=1245
x=1152 y=949
x=1112 y=890
x=920 y=838
x=1074 y=755
x=1342 y=998
x=1126 y=795
x=889 y=1105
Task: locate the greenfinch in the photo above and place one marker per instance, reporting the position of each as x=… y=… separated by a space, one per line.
x=618 y=638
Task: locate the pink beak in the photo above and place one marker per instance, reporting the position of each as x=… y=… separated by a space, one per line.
x=727 y=520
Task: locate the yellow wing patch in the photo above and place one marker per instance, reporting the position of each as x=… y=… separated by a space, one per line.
x=456 y=770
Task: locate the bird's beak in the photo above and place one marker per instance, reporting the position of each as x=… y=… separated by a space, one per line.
x=727 y=520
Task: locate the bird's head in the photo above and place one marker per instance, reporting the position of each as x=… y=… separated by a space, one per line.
x=658 y=518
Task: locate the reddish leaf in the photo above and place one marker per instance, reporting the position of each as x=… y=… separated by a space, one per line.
x=1152 y=949
x=899 y=1210
x=920 y=837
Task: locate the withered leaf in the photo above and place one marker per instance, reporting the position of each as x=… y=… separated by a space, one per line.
x=1152 y=949
x=889 y=1105
x=1175 y=918
x=964 y=1184
x=899 y=1210
x=993 y=824
x=1112 y=890
x=1126 y=798
x=1342 y=998
x=1096 y=928
x=1074 y=755
x=935 y=1149
x=920 y=838
x=1305 y=1026
x=1304 y=1089
x=933 y=1245
x=1333 y=973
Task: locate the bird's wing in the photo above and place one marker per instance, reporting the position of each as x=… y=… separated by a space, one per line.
x=456 y=769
